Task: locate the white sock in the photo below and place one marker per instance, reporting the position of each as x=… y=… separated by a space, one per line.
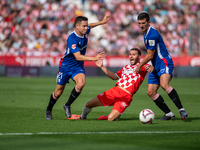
x=181 y=109
x=85 y=112
x=169 y=114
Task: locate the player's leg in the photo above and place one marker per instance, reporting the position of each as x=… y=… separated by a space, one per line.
x=55 y=95
x=117 y=98
x=80 y=83
x=114 y=115
x=62 y=79
x=89 y=105
x=53 y=99
x=156 y=97
x=118 y=108
x=165 y=84
x=153 y=85
x=159 y=101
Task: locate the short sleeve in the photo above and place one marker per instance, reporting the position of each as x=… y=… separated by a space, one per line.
x=73 y=45
x=152 y=42
x=119 y=73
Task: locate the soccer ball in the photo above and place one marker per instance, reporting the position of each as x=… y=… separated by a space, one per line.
x=146 y=116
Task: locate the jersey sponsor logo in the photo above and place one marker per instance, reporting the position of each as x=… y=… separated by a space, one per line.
x=123 y=104
x=73 y=46
x=162 y=70
x=82 y=48
x=152 y=42
x=129 y=71
x=128 y=77
x=101 y=94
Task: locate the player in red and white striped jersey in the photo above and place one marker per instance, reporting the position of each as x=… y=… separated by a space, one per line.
x=120 y=96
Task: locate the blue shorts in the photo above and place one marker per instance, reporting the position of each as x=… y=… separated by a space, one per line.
x=154 y=77
x=64 y=75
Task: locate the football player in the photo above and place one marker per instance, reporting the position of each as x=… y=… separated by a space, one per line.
x=120 y=96
x=72 y=63
x=162 y=61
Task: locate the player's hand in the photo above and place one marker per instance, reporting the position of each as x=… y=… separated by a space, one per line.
x=137 y=69
x=99 y=63
x=149 y=68
x=100 y=56
x=105 y=19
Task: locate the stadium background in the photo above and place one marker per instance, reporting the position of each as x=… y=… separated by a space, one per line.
x=33 y=33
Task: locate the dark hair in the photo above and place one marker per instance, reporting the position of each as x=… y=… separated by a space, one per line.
x=79 y=19
x=143 y=15
x=136 y=49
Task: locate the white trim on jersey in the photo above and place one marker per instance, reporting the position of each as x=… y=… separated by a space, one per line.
x=148 y=31
x=161 y=57
x=167 y=69
x=158 y=50
x=117 y=75
x=78 y=35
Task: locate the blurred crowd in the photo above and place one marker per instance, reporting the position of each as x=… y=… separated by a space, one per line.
x=172 y=18
x=41 y=27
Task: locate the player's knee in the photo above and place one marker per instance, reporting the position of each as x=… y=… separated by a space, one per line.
x=164 y=86
x=57 y=94
x=150 y=93
x=80 y=85
x=111 y=118
x=87 y=105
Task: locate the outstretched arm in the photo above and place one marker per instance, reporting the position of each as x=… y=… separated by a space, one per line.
x=80 y=57
x=104 y=21
x=109 y=73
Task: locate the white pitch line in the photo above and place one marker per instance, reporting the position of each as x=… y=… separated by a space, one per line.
x=82 y=133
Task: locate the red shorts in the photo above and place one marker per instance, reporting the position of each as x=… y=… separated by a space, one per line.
x=117 y=98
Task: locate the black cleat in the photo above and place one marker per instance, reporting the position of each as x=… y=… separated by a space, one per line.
x=67 y=111
x=83 y=117
x=167 y=117
x=184 y=114
x=49 y=115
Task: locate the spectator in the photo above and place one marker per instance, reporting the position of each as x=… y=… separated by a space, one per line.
x=33 y=28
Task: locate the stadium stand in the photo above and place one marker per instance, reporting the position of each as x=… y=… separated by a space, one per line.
x=41 y=27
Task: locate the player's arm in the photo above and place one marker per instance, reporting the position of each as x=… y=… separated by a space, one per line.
x=104 y=21
x=109 y=73
x=80 y=57
x=147 y=58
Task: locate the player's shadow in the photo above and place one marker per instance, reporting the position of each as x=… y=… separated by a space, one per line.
x=188 y=119
x=128 y=118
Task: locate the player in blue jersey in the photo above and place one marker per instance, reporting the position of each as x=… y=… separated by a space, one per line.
x=72 y=63
x=162 y=61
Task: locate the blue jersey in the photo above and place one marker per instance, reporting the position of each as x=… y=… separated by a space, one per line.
x=75 y=43
x=153 y=41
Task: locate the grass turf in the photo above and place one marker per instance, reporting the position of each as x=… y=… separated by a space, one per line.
x=22 y=110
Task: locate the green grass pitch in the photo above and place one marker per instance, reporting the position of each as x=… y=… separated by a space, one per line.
x=23 y=126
